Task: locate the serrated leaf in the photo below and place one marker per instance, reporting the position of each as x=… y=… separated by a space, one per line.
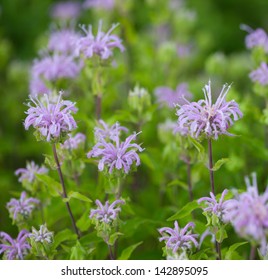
x=62 y=236
x=185 y=211
x=219 y=163
x=78 y=196
x=52 y=185
x=125 y=255
x=232 y=250
x=114 y=237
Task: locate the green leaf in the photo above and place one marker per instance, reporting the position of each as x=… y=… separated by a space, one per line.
x=185 y=211
x=126 y=253
x=53 y=187
x=63 y=236
x=197 y=145
x=77 y=252
x=84 y=222
x=114 y=237
x=178 y=183
x=232 y=250
x=78 y=196
x=219 y=163
x=221 y=234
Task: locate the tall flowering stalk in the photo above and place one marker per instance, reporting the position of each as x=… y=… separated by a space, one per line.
x=53 y=121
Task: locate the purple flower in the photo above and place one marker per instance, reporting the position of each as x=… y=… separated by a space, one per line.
x=106 y=132
x=74 y=142
x=116 y=154
x=106 y=213
x=38 y=87
x=63 y=41
x=65 y=10
x=51 y=119
x=255 y=38
x=23 y=206
x=102 y=4
x=169 y=97
x=55 y=67
x=183 y=50
x=204 y=117
x=260 y=75
x=14 y=249
x=213 y=206
x=178 y=238
x=28 y=173
x=42 y=235
x=248 y=213
x=102 y=44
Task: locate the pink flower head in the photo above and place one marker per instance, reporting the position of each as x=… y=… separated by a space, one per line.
x=169 y=97
x=101 y=4
x=106 y=213
x=23 y=206
x=14 y=249
x=104 y=131
x=116 y=154
x=260 y=75
x=102 y=44
x=28 y=173
x=51 y=119
x=65 y=10
x=205 y=117
x=74 y=142
x=178 y=238
x=248 y=212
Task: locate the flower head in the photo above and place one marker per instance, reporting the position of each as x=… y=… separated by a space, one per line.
x=106 y=213
x=102 y=44
x=178 y=238
x=116 y=154
x=65 y=10
x=14 y=249
x=23 y=206
x=213 y=206
x=42 y=235
x=28 y=173
x=260 y=75
x=50 y=119
x=74 y=142
x=166 y=95
x=248 y=212
x=101 y=4
x=106 y=132
x=204 y=117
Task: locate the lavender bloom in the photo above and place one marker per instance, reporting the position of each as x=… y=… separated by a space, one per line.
x=57 y=66
x=23 y=206
x=74 y=142
x=204 y=117
x=106 y=213
x=28 y=173
x=49 y=118
x=63 y=41
x=38 y=87
x=116 y=155
x=260 y=75
x=213 y=206
x=102 y=44
x=101 y=4
x=166 y=95
x=104 y=131
x=183 y=50
x=255 y=38
x=65 y=10
x=14 y=249
x=178 y=238
x=248 y=213
x=43 y=235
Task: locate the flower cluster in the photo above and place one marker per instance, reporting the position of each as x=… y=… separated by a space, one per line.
x=102 y=4
x=166 y=95
x=65 y=10
x=248 y=213
x=43 y=235
x=14 y=249
x=179 y=238
x=204 y=117
x=116 y=154
x=74 y=142
x=101 y=45
x=260 y=75
x=52 y=120
x=105 y=131
x=23 y=206
x=28 y=173
x=106 y=213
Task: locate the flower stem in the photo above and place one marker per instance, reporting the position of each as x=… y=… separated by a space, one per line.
x=64 y=194
x=252 y=252
x=189 y=180
x=212 y=184
x=111 y=252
